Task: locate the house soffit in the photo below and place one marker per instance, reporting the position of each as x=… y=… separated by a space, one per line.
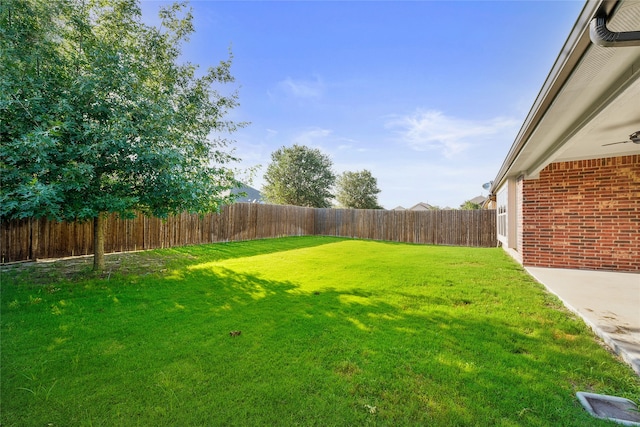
x=599 y=103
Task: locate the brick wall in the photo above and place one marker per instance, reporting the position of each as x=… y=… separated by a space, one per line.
x=584 y=214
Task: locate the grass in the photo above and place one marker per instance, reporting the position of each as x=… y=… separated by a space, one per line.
x=334 y=332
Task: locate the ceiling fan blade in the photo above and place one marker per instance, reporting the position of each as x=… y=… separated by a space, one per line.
x=614 y=143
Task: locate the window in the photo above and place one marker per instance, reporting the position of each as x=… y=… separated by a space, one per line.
x=501 y=202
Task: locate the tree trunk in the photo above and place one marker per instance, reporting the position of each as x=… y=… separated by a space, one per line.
x=98 y=242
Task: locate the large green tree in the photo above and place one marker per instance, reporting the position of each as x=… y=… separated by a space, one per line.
x=358 y=190
x=97 y=115
x=299 y=176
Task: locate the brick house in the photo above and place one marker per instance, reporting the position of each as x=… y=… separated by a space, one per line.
x=566 y=196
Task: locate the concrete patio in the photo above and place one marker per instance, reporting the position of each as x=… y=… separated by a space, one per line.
x=608 y=302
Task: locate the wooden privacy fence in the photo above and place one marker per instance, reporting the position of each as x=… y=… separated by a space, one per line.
x=22 y=240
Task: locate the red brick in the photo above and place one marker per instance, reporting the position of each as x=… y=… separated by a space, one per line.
x=583 y=214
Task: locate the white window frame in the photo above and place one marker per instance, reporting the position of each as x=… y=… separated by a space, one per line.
x=502 y=201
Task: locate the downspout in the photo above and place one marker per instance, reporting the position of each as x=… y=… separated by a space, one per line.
x=574 y=47
x=601 y=36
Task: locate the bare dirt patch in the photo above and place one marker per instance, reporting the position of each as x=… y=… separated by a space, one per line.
x=46 y=271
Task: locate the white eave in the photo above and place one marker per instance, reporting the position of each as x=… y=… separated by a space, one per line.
x=591 y=97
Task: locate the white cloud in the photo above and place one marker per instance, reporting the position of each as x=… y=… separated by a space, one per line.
x=271 y=133
x=302 y=89
x=433 y=130
x=311 y=137
x=348 y=145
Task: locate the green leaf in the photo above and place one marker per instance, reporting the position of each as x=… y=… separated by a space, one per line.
x=300 y=176
x=97 y=115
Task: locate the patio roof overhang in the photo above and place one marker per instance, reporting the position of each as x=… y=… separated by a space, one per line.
x=590 y=97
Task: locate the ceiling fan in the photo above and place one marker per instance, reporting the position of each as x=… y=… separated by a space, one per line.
x=634 y=137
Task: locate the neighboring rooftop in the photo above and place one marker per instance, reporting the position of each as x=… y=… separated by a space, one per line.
x=252 y=195
x=422 y=206
x=478 y=200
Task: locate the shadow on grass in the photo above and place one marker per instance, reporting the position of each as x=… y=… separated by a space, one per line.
x=197 y=254
x=441 y=363
x=155 y=261
x=159 y=351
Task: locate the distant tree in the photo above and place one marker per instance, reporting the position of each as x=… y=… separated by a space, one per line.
x=299 y=176
x=358 y=190
x=469 y=205
x=97 y=116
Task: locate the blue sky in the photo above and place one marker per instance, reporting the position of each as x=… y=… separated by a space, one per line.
x=427 y=95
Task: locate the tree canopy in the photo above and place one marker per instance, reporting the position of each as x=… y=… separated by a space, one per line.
x=468 y=205
x=97 y=115
x=300 y=176
x=358 y=190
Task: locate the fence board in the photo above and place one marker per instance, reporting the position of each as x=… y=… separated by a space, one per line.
x=30 y=239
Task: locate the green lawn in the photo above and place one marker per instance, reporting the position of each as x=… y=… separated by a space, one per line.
x=333 y=332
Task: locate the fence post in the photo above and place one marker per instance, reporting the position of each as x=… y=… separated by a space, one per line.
x=34 y=241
